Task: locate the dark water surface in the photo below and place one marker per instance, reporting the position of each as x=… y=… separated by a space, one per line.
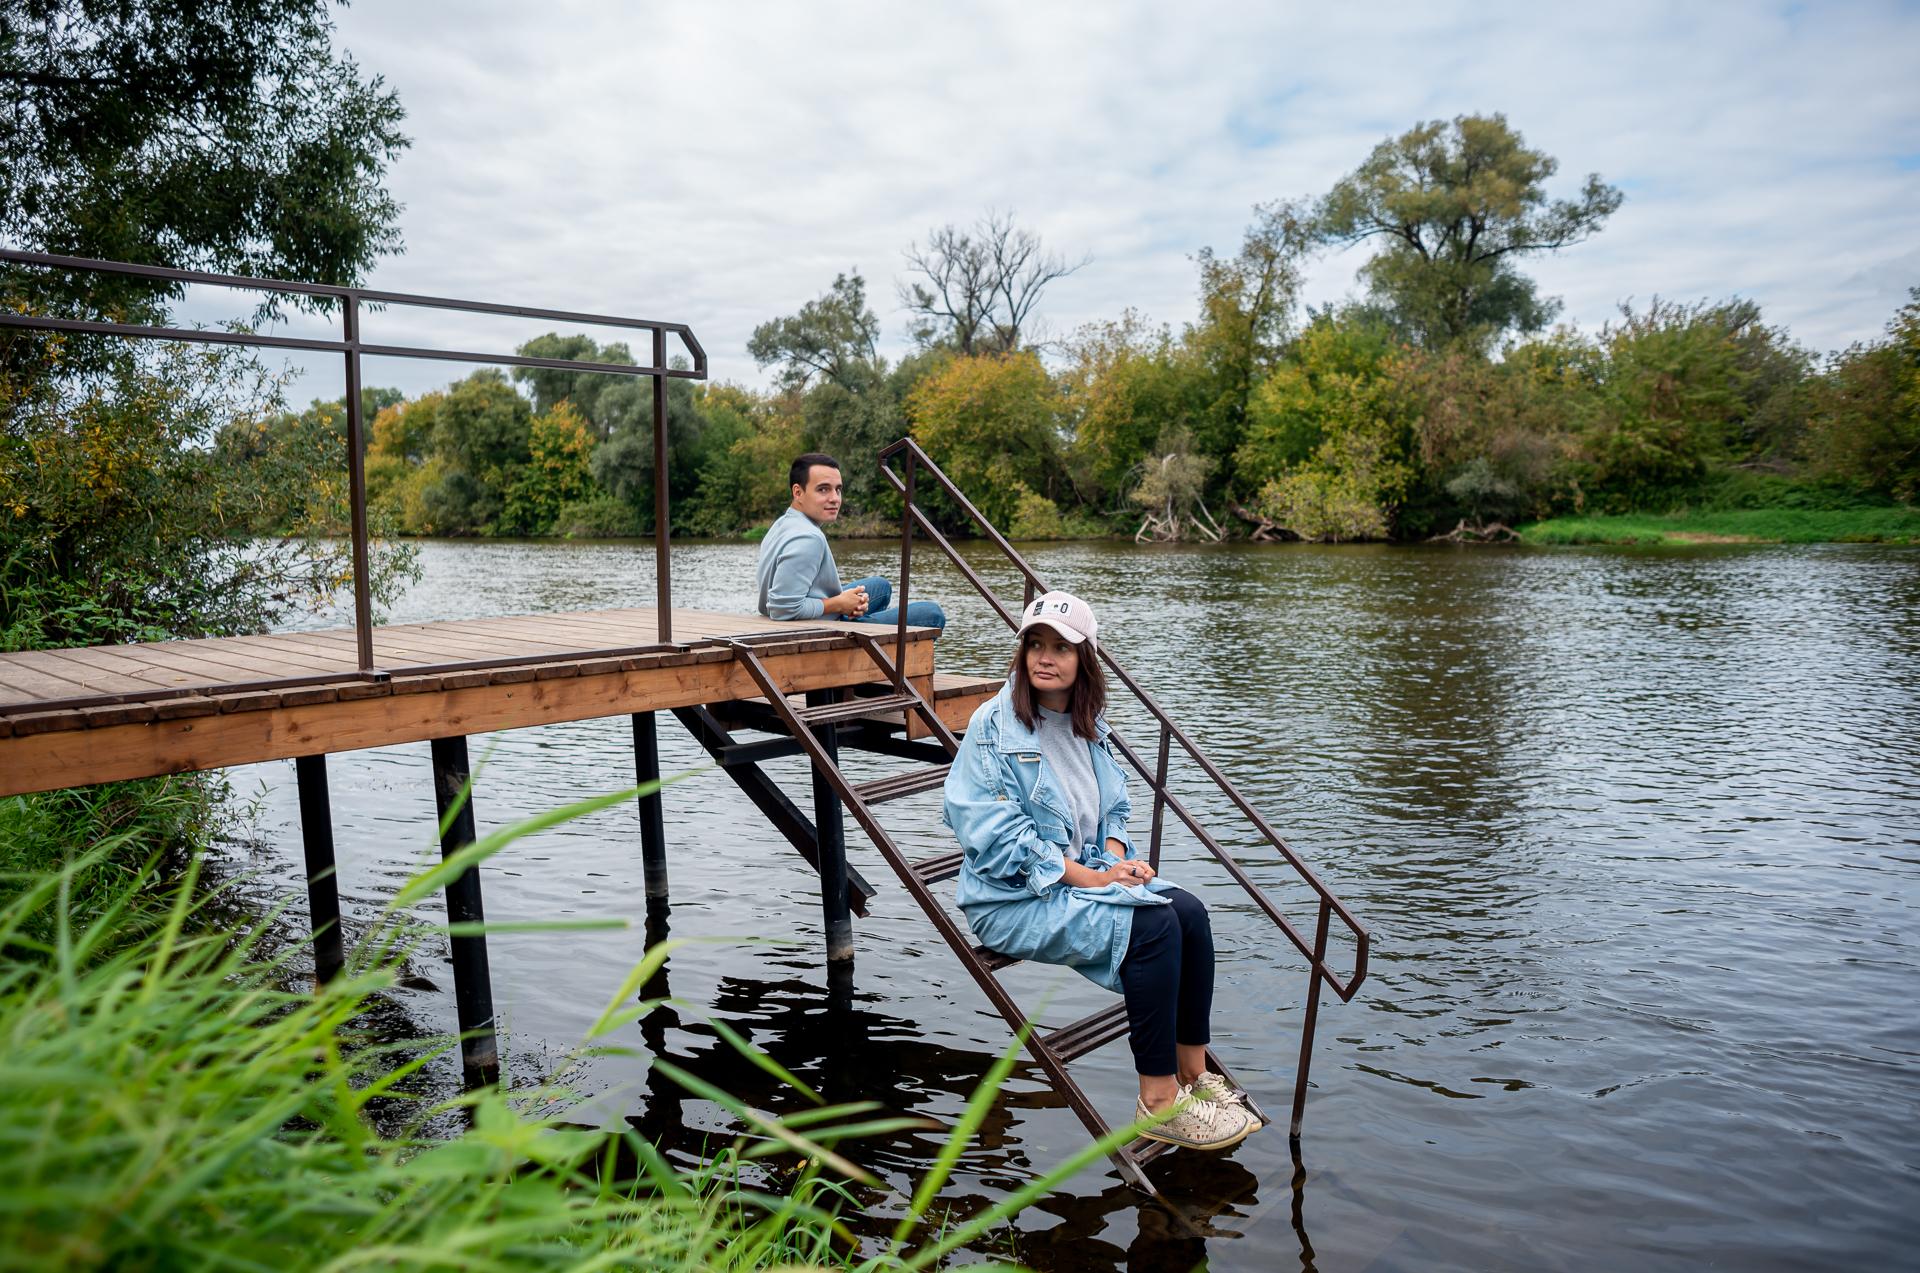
x=1637 y=833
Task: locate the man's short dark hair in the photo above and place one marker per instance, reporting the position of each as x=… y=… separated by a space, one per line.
x=797 y=475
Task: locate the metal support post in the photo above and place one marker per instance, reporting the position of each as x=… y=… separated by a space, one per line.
x=323 y=883
x=472 y=987
x=900 y=601
x=1312 y=1017
x=653 y=825
x=1159 y=797
x=662 y=528
x=829 y=824
x=357 y=486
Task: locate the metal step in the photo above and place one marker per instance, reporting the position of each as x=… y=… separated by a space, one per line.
x=993 y=959
x=894 y=786
x=1088 y=1033
x=853 y=709
x=944 y=867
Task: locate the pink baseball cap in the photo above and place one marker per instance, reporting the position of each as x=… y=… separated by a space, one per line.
x=1066 y=614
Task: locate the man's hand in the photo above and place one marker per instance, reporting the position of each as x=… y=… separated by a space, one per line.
x=852 y=603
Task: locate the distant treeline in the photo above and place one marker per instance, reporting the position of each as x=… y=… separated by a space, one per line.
x=1443 y=397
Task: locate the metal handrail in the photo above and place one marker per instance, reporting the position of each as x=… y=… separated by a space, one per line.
x=1330 y=907
x=353 y=349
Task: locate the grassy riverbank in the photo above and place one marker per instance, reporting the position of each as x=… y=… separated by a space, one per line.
x=173 y=1095
x=1894 y=525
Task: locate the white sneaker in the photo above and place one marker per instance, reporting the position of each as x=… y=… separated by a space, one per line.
x=1199 y=1124
x=1214 y=1087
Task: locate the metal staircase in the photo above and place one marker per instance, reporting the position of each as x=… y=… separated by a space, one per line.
x=815 y=730
x=813 y=727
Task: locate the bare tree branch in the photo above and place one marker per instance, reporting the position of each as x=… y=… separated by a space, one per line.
x=984 y=284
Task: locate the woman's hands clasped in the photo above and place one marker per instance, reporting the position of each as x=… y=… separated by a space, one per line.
x=1127 y=871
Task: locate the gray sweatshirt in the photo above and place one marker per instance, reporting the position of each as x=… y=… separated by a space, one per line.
x=1072 y=764
x=796 y=569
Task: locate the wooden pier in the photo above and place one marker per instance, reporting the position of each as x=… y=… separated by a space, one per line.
x=104 y=714
x=75 y=717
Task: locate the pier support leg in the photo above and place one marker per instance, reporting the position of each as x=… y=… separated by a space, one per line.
x=653 y=825
x=472 y=987
x=323 y=883
x=829 y=823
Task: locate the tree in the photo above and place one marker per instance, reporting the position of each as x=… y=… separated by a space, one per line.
x=229 y=137
x=1247 y=305
x=1674 y=389
x=1866 y=425
x=982 y=285
x=1331 y=437
x=743 y=480
x=993 y=425
x=555 y=475
x=1458 y=205
x=609 y=402
x=130 y=500
x=834 y=337
x=1125 y=384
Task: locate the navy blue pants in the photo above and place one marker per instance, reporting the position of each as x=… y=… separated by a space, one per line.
x=1167 y=976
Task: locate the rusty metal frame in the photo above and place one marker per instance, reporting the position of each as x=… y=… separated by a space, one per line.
x=352 y=349
x=1330 y=907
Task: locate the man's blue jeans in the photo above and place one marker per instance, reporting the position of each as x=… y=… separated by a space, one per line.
x=920 y=614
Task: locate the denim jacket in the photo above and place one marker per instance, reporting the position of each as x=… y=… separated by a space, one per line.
x=1014 y=822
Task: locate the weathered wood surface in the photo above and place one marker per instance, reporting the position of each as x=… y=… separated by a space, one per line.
x=204 y=720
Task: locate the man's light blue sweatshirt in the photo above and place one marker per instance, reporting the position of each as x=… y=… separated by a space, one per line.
x=796 y=569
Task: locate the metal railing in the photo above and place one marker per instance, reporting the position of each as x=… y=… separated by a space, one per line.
x=352 y=349
x=1330 y=907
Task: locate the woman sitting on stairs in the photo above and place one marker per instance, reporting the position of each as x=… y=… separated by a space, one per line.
x=1040 y=807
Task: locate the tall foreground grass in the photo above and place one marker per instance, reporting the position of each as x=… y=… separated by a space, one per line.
x=172 y=1096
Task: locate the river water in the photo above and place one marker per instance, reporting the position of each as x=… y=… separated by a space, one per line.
x=1636 y=832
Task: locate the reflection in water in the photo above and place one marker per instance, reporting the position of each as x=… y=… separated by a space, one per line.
x=1637 y=833
x=851 y=1050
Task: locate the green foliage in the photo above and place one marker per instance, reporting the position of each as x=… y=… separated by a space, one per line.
x=1247 y=306
x=834 y=337
x=1331 y=434
x=1035 y=517
x=1172 y=485
x=555 y=474
x=226 y=137
x=131 y=494
x=136 y=826
x=1493 y=439
x=1347 y=491
x=1673 y=389
x=609 y=402
x=1127 y=383
x=743 y=479
x=1866 y=415
x=993 y=425
x=599 y=516
x=1456 y=206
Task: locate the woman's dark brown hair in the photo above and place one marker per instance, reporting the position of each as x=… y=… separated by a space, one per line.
x=1085 y=701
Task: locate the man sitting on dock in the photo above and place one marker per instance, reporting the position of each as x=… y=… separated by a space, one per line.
x=798 y=580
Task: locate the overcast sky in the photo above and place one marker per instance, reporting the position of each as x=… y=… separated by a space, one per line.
x=717 y=164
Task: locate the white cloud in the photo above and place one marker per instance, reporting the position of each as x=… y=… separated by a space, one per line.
x=717 y=164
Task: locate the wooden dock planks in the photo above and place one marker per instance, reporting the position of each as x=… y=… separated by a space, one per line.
x=186 y=709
